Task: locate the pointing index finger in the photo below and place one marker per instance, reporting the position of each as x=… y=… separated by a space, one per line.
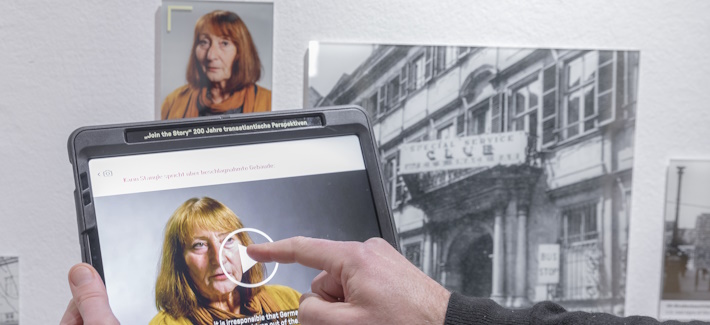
x=319 y=254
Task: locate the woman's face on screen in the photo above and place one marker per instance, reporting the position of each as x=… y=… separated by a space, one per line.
x=216 y=55
x=202 y=259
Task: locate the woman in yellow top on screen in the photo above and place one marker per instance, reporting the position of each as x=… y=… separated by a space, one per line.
x=192 y=287
x=222 y=72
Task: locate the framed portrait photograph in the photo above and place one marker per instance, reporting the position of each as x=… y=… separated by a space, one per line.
x=685 y=293
x=508 y=170
x=215 y=57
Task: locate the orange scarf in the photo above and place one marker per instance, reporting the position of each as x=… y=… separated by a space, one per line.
x=190 y=102
x=261 y=303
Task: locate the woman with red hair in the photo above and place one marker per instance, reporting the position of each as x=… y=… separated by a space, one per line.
x=222 y=72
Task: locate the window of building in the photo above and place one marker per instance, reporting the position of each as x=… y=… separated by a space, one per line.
x=497 y=113
x=580 y=223
x=550 y=91
x=418 y=72
x=605 y=95
x=381 y=100
x=419 y=135
x=421 y=68
x=589 y=93
x=395 y=188
x=446 y=132
x=392 y=93
x=370 y=105
x=461 y=125
x=450 y=57
x=413 y=253
x=579 y=103
x=581 y=253
x=630 y=60
x=445 y=58
x=389 y=95
x=579 y=97
x=523 y=105
x=403 y=81
x=477 y=118
x=391 y=178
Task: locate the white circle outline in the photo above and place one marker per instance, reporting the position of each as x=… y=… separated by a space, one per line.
x=221 y=263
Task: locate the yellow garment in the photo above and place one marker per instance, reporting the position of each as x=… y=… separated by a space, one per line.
x=285 y=297
x=191 y=102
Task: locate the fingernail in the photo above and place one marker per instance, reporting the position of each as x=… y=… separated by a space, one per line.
x=81 y=275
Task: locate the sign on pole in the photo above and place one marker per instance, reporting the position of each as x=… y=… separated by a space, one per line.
x=548 y=264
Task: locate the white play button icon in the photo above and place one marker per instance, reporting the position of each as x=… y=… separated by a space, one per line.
x=247 y=262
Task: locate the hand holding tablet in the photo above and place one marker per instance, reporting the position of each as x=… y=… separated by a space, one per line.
x=89 y=304
x=361 y=283
x=164 y=209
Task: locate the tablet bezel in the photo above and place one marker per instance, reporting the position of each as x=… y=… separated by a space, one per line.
x=93 y=142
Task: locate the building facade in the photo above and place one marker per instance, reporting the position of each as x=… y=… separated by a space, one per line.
x=552 y=226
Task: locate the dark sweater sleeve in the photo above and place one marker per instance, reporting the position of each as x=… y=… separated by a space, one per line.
x=464 y=310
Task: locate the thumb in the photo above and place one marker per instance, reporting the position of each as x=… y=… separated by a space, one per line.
x=89 y=295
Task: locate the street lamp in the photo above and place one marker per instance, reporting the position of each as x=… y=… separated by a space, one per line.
x=675 y=241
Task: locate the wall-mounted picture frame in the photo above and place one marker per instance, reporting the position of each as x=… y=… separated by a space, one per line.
x=9 y=290
x=685 y=290
x=508 y=170
x=214 y=57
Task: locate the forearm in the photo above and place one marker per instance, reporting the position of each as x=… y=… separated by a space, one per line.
x=464 y=310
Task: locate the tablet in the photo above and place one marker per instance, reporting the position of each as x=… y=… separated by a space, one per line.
x=165 y=209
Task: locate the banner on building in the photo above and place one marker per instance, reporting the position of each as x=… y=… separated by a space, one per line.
x=507 y=148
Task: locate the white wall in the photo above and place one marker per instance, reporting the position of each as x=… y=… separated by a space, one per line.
x=64 y=64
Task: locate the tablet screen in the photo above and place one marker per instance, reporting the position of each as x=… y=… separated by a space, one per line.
x=172 y=226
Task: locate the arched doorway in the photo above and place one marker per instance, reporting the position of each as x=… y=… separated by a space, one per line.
x=477 y=268
x=470 y=267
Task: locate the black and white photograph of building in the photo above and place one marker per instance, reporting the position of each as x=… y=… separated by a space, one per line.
x=508 y=170
x=9 y=291
x=686 y=262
